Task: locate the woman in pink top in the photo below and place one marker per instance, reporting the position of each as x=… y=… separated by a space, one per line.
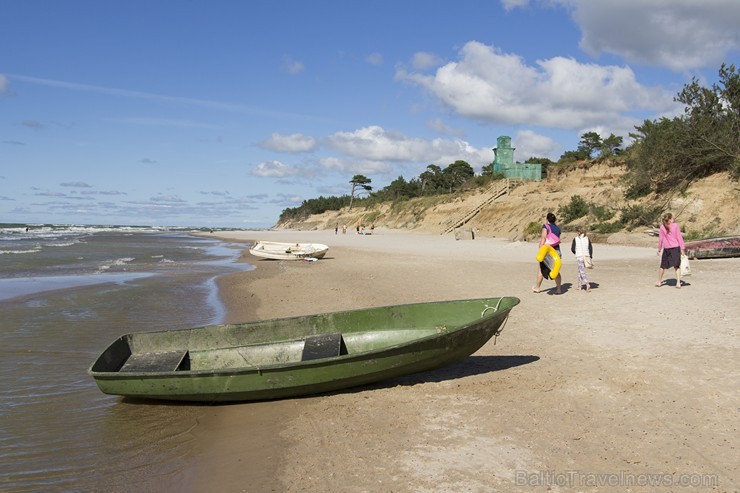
x=670 y=242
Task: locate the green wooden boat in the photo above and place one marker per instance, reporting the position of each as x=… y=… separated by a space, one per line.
x=295 y=356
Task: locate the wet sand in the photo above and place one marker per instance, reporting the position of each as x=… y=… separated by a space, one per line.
x=600 y=391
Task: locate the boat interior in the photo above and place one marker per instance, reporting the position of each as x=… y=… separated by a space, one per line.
x=120 y=357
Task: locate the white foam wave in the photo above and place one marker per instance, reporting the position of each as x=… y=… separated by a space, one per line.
x=114 y=263
x=63 y=244
x=32 y=250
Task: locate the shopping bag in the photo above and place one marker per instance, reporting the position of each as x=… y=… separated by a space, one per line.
x=685 y=267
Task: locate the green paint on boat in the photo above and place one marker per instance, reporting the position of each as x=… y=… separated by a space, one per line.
x=288 y=357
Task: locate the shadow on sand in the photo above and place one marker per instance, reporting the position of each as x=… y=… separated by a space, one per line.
x=472 y=365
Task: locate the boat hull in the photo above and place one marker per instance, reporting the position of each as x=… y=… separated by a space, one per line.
x=288 y=251
x=244 y=366
x=713 y=248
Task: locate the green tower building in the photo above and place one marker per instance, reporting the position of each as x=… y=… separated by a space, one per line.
x=503 y=162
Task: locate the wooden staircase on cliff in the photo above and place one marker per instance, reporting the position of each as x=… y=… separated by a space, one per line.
x=499 y=189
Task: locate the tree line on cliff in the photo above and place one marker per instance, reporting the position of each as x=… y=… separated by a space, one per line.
x=664 y=155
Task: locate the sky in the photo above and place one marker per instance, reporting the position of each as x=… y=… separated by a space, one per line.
x=224 y=113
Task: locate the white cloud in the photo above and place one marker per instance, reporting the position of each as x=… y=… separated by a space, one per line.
x=512 y=4
x=374 y=143
x=34 y=124
x=489 y=85
x=439 y=126
x=3 y=83
x=289 y=143
x=51 y=194
x=171 y=199
x=424 y=61
x=531 y=144
x=285 y=199
x=374 y=59
x=352 y=165
x=292 y=67
x=275 y=169
x=216 y=193
x=373 y=146
x=75 y=184
x=678 y=34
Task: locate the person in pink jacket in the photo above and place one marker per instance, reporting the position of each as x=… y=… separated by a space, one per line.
x=670 y=241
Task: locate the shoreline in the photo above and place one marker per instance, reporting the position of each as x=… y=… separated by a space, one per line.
x=242 y=304
x=580 y=381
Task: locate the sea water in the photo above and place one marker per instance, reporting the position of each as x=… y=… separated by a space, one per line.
x=66 y=292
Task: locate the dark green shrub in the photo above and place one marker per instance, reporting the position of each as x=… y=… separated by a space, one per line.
x=601 y=212
x=637 y=190
x=712 y=230
x=577 y=207
x=607 y=228
x=640 y=215
x=693 y=235
x=533 y=228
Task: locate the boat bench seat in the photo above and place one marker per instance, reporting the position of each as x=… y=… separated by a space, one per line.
x=323 y=346
x=154 y=362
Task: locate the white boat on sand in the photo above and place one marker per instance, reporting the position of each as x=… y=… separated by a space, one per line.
x=276 y=250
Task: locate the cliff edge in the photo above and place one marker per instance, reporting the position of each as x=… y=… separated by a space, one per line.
x=709 y=207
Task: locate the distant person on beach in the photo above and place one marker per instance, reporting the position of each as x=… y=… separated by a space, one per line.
x=670 y=241
x=336 y=229
x=549 y=227
x=344 y=229
x=582 y=249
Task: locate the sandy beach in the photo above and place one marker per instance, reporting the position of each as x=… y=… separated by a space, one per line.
x=628 y=387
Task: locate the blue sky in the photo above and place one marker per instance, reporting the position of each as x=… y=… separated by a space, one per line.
x=224 y=113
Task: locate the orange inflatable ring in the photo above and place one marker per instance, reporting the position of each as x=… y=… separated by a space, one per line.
x=548 y=256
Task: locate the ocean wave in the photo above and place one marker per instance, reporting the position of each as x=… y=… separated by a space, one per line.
x=119 y=262
x=63 y=244
x=32 y=250
x=36 y=229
